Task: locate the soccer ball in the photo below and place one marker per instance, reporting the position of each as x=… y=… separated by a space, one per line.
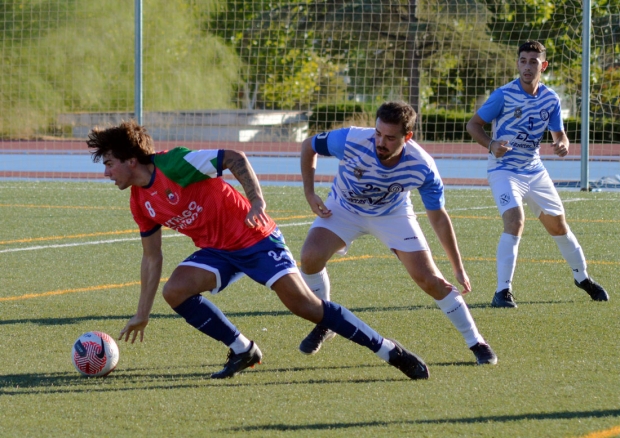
x=95 y=354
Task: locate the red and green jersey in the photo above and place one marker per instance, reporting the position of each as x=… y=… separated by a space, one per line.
x=186 y=195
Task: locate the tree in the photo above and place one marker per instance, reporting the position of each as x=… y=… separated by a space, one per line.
x=559 y=26
x=437 y=54
x=378 y=49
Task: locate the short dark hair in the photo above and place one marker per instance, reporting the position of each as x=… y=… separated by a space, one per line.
x=128 y=140
x=532 y=46
x=397 y=113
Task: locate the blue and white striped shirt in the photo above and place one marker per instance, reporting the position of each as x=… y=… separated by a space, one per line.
x=521 y=119
x=366 y=187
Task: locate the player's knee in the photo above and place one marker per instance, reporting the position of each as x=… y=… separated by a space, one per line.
x=514 y=221
x=558 y=228
x=172 y=294
x=437 y=287
x=514 y=227
x=311 y=261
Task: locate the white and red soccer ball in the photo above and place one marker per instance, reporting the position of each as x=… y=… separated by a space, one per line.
x=95 y=354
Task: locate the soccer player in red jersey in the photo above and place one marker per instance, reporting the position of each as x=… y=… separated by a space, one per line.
x=181 y=189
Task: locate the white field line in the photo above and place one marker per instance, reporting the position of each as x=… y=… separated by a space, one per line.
x=130 y=239
x=100 y=242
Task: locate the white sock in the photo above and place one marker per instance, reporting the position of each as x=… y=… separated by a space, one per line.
x=241 y=344
x=453 y=305
x=573 y=254
x=319 y=284
x=384 y=351
x=507 y=250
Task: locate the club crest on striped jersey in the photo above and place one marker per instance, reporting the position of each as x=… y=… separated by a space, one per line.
x=173 y=198
x=359 y=173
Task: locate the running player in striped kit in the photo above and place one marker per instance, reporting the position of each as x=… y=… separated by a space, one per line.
x=370 y=195
x=182 y=189
x=520 y=112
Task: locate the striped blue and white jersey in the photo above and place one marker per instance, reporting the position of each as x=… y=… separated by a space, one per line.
x=366 y=187
x=521 y=119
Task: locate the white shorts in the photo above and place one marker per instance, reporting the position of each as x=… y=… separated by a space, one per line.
x=399 y=230
x=511 y=189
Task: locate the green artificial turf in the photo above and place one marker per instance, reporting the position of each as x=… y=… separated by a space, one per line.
x=70 y=256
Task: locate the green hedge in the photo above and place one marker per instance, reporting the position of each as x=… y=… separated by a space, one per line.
x=327 y=117
x=445 y=126
x=441 y=126
x=601 y=130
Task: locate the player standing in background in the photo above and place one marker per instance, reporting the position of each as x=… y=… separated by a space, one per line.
x=181 y=189
x=370 y=195
x=520 y=112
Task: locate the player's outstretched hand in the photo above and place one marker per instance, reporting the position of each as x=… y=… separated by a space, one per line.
x=499 y=148
x=463 y=280
x=560 y=148
x=135 y=325
x=317 y=206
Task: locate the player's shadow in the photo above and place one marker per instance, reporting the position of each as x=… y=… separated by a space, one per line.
x=520 y=304
x=167 y=378
x=239 y=314
x=249 y=314
x=562 y=415
x=70 y=320
x=14 y=383
x=75 y=319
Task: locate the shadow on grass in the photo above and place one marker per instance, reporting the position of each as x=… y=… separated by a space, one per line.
x=80 y=319
x=357 y=310
x=141 y=379
x=520 y=304
x=565 y=415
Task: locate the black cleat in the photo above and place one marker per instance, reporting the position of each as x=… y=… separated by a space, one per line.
x=239 y=362
x=595 y=290
x=410 y=364
x=484 y=354
x=503 y=298
x=312 y=343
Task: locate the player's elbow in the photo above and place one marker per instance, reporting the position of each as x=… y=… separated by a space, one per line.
x=439 y=219
x=153 y=261
x=471 y=126
x=306 y=145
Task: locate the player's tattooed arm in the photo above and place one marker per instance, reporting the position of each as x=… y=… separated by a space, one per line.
x=240 y=167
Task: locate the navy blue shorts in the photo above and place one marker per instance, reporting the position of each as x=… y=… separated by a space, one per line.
x=265 y=262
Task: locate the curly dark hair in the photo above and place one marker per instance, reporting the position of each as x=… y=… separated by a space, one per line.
x=533 y=46
x=397 y=113
x=128 y=140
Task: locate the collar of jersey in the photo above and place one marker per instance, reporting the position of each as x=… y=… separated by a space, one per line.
x=148 y=186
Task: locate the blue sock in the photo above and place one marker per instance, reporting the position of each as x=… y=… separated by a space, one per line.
x=349 y=326
x=206 y=317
